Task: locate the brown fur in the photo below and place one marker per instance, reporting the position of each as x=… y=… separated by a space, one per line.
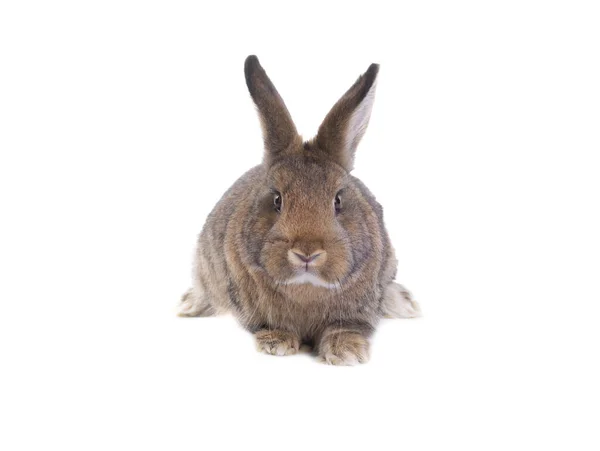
x=277 y=342
x=247 y=251
x=344 y=347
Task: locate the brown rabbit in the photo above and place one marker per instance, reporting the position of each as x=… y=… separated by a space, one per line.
x=297 y=248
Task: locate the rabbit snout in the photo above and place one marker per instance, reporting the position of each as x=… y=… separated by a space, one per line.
x=296 y=257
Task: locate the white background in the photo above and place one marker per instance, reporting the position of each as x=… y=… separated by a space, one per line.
x=122 y=123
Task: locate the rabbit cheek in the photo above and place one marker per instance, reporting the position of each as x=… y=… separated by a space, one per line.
x=339 y=263
x=274 y=260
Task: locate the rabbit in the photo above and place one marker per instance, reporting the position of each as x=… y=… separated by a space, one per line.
x=297 y=249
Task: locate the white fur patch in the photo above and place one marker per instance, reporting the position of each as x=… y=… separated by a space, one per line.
x=398 y=302
x=189 y=305
x=311 y=279
x=192 y=305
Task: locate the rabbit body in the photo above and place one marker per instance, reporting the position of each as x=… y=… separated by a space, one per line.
x=297 y=249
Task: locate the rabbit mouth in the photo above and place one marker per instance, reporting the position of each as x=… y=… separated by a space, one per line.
x=311 y=279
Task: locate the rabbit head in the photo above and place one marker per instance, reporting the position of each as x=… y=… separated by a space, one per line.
x=311 y=221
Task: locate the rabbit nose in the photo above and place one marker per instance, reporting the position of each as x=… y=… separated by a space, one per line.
x=306 y=259
x=298 y=256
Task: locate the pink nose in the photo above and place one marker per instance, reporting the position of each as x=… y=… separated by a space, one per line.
x=297 y=257
x=307 y=258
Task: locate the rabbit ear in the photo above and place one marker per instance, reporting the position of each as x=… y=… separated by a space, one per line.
x=345 y=124
x=279 y=131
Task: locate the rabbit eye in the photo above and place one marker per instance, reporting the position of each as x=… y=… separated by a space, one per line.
x=337 y=203
x=277 y=202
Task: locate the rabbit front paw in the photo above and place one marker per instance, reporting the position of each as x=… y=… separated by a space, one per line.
x=277 y=342
x=344 y=347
